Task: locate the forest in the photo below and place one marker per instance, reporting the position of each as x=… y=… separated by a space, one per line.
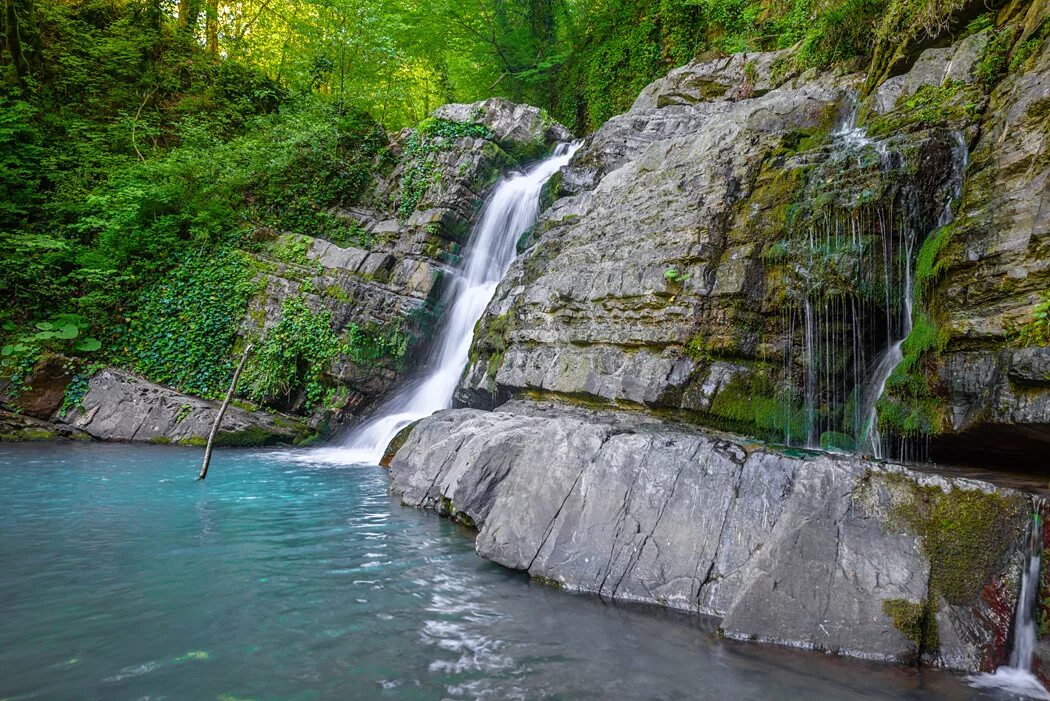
x=140 y=137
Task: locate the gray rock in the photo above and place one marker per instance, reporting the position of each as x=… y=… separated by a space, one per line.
x=509 y=122
x=121 y=407
x=933 y=67
x=802 y=550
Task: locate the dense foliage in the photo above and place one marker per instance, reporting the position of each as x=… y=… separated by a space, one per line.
x=143 y=142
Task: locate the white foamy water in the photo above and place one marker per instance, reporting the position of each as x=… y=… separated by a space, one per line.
x=1018 y=678
x=510 y=211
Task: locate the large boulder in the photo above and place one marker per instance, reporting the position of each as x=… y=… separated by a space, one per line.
x=729 y=251
x=818 y=551
x=119 y=406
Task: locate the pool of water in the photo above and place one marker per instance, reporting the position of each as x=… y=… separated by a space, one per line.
x=121 y=577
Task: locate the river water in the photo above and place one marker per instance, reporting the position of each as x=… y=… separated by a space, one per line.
x=121 y=577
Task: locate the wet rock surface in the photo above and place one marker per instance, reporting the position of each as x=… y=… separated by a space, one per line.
x=413 y=224
x=119 y=406
x=728 y=251
x=809 y=550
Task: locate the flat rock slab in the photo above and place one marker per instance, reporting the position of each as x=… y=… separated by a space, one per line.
x=119 y=406
x=801 y=549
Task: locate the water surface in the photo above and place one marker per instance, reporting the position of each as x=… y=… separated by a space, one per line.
x=121 y=577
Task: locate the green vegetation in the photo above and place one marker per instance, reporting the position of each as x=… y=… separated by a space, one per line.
x=1037 y=331
x=289 y=366
x=494 y=343
x=967 y=536
x=182 y=331
x=918 y=622
x=953 y=105
x=676 y=278
x=909 y=406
x=995 y=59
x=431 y=136
x=292 y=357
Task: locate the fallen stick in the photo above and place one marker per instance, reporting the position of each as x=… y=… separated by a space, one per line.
x=222 y=410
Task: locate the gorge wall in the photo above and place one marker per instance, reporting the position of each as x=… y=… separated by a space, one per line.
x=835 y=264
x=734 y=250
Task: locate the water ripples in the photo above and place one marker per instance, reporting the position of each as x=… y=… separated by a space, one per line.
x=123 y=577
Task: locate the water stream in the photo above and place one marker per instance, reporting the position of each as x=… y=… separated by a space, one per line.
x=511 y=210
x=871 y=441
x=1017 y=677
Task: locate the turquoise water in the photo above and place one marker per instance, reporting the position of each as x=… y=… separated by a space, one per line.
x=121 y=577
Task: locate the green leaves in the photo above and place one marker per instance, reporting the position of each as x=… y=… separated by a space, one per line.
x=183 y=330
x=87 y=345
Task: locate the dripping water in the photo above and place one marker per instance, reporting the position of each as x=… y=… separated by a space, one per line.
x=1017 y=678
x=511 y=210
x=871 y=441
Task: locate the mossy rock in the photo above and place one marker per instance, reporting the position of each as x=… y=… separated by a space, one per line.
x=396 y=443
x=916 y=621
x=967 y=535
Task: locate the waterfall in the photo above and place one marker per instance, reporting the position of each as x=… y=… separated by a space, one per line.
x=1017 y=678
x=889 y=361
x=870 y=439
x=511 y=210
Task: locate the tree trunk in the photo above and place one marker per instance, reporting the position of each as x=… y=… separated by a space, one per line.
x=212 y=28
x=222 y=410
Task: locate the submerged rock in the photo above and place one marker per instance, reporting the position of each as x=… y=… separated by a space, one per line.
x=121 y=407
x=818 y=551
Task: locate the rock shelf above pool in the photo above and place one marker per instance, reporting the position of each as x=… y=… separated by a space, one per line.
x=818 y=551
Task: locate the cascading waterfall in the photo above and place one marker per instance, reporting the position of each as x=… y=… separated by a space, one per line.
x=511 y=210
x=870 y=438
x=1017 y=678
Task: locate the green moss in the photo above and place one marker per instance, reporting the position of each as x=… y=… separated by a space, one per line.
x=954 y=104
x=493 y=343
x=160 y=440
x=930 y=263
x=966 y=534
x=994 y=60
x=748 y=404
x=902 y=26
x=195 y=441
x=448 y=509
x=29 y=433
x=396 y=443
x=251 y=437
x=916 y=621
x=547 y=581
x=910 y=406
x=835 y=441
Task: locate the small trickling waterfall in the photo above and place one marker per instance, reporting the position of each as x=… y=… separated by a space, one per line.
x=871 y=441
x=857 y=249
x=1017 y=678
x=511 y=210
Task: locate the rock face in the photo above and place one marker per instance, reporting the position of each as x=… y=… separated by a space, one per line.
x=44 y=391
x=803 y=549
x=737 y=249
x=412 y=225
x=997 y=272
x=121 y=407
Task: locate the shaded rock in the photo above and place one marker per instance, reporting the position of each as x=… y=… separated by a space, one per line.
x=809 y=550
x=19 y=427
x=121 y=407
x=44 y=390
x=512 y=125
x=933 y=67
